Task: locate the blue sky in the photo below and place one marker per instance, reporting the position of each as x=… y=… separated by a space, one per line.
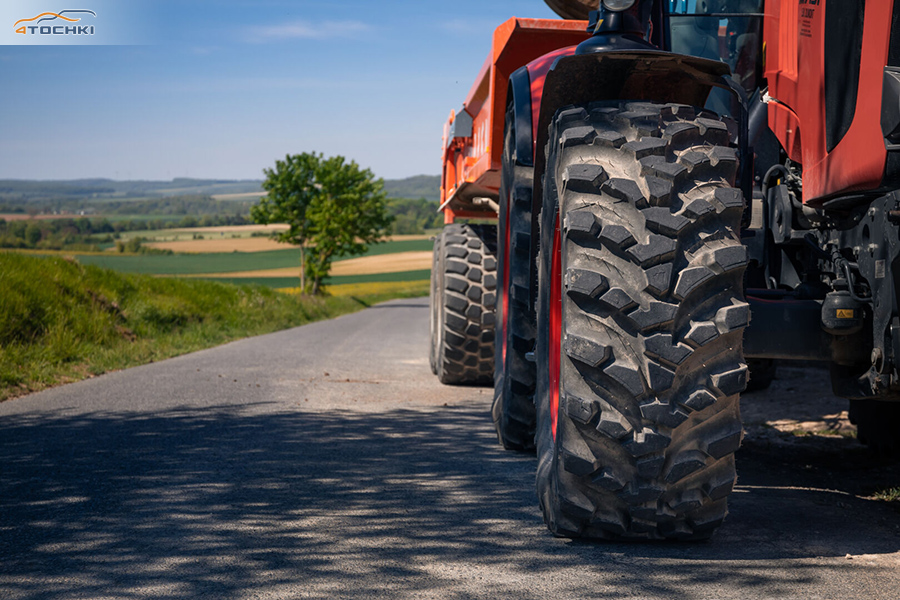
x=227 y=87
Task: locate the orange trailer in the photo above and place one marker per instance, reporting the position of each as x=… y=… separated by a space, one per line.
x=472 y=139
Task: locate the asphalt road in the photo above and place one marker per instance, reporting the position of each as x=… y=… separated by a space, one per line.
x=327 y=462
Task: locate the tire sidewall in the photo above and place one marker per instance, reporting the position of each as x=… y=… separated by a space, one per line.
x=548 y=469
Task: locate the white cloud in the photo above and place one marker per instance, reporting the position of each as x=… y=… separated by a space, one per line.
x=307 y=30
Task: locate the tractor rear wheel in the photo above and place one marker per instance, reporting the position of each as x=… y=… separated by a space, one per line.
x=513 y=408
x=640 y=322
x=434 y=303
x=463 y=290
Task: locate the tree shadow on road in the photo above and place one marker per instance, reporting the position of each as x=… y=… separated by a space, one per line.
x=231 y=503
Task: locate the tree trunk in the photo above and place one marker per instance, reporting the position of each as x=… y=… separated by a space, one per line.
x=302 y=270
x=324 y=259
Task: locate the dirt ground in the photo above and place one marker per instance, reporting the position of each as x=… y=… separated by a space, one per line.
x=798 y=422
x=800 y=403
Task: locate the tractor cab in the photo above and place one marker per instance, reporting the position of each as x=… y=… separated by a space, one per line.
x=726 y=30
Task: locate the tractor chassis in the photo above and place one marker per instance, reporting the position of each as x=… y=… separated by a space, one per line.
x=800 y=316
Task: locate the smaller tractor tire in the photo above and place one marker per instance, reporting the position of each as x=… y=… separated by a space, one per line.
x=761 y=375
x=434 y=303
x=463 y=295
x=513 y=409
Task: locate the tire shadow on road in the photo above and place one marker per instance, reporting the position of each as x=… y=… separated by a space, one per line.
x=228 y=502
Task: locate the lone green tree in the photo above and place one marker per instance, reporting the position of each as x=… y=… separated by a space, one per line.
x=332 y=208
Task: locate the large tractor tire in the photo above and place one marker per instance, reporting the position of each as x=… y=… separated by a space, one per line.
x=640 y=322
x=513 y=409
x=877 y=425
x=435 y=301
x=463 y=295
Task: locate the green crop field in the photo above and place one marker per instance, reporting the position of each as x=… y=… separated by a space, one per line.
x=226 y=262
x=191 y=264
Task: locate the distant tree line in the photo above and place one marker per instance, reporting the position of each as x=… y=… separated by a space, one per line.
x=414 y=216
x=94 y=189
x=196 y=205
x=90 y=233
x=175 y=205
x=409 y=216
x=419 y=186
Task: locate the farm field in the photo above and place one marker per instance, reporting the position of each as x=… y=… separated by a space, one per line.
x=226 y=239
x=365 y=265
x=218 y=244
x=245 y=259
x=243 y=196
x=220 y=232
x=26 y=216
x=230 y=238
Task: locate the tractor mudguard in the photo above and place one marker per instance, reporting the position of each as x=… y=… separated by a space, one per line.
x=520 y=88
x=652 y=75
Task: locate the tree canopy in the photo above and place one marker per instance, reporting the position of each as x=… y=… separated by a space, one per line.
x=332 y=207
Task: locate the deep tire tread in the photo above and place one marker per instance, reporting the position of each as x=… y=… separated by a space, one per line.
x=465 y=269
x=653 y=315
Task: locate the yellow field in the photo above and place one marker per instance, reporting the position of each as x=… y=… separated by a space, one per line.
x=365 y=265
x=230 y=239
x=222 y=244
x=354 y=289
x=384 y=263
x=232 y=229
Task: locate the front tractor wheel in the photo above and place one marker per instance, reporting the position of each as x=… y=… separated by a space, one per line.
x=640 y=322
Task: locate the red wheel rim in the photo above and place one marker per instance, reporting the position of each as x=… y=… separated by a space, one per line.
x=555 y=325
x=504 y=304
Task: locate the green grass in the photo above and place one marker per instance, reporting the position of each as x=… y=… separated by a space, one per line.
x=62 y=321
x=373 y=277
x=888 y=495
x=224 y=262
x=400 y=246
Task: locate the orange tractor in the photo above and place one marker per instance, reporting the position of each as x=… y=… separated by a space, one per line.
x=622 y=193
